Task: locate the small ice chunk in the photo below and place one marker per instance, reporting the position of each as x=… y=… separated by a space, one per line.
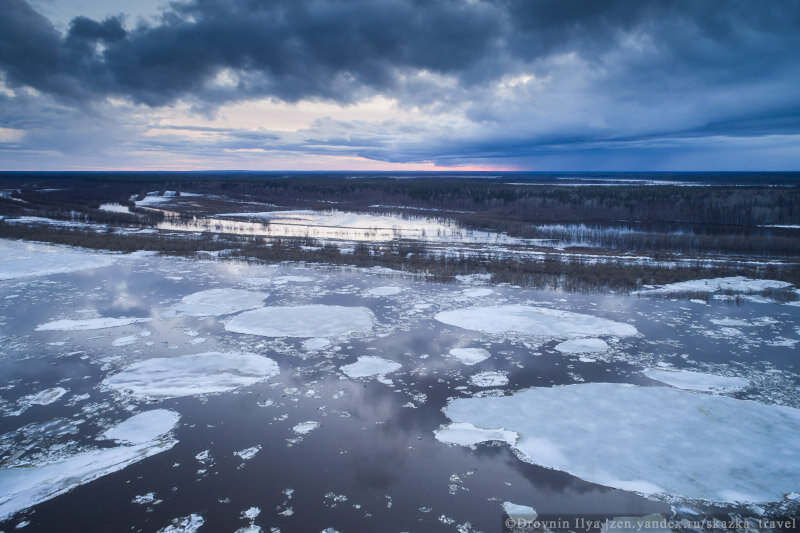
x=477 y=292
x=248 y=453
x=368 y=366
x=388 y=290
x=89 y=324
x=519 y=512
x=698 y=381
x=304 y=428
x=124 y=341
x=465 y=434
x=303 y=321
x=217 y=302
x=185 y=524
x=143 y=427
x=469 y=356
x=586 y=345
x=490 y=378
x=251 y=513
x=187 y=375
x=144 y=499
x=46 y=397
x=538 y=321
x=316 y=343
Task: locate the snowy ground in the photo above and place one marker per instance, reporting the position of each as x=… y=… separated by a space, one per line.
x=187 y=395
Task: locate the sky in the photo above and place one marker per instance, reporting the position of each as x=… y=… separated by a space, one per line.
x=536 y=85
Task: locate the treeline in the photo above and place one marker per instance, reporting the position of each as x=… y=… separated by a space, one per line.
x=551 y=271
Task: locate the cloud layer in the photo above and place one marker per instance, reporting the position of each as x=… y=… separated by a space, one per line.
x=521 y=83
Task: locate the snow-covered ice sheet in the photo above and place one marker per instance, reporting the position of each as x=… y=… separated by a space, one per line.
x=303 y=321
x=698 y=381
x=586 y=345
x=23 y=487
x=216 y=302
x=656 y=441
x=88 y=324
x=537 y=321
x=187 y=375
x=21 y=260
x=469 y=356
x=368 y=366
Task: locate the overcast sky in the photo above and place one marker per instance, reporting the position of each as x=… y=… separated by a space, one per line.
x=400 y=84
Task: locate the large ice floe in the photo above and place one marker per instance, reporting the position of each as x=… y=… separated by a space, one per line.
x=21 y=260
x=187 y=375
x=537 y=321
x=303 y=321
x=88 y=324
x=656 y=441
x=216 y=302
x=144 y=435
x=698 y=381
x=739 y=284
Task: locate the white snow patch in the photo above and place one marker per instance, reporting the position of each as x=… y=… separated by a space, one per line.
x=489 y=379
x=697 y=381
x=586 y=345
x=187 y=375
x=216 y=302
x=651 y=440
x=538 y=321
x=477 y=292
x=388 y=290
x=21 y=260
x=143 y=427
x=24 y=487
x=368 y=366
x=89 y=324
x=465 y=434
x=303 y=321
x=303 y=428
x=469 y=356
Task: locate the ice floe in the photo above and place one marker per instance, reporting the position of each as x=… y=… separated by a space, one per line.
x=489 y=379
x=519 y=512
x=465 y=434
x=21 y=260
x=216 y=302
x=184 y=524
x=731 y=284
x=537 y=321
x=388 y=290
x=303 y=321
x=586 y=345
x=316 y=343
x=304 y=428
x=187 y=375
x=143 y=427
x=698 y=381
x=368 y=366
x=89 y=324
x=25 y=486
x=248 y=453
x=656 y=441
x=469 y=356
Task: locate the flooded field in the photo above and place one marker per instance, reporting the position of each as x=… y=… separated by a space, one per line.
x=153 y=392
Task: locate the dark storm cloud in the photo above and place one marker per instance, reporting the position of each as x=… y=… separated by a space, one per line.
x=293 y=49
